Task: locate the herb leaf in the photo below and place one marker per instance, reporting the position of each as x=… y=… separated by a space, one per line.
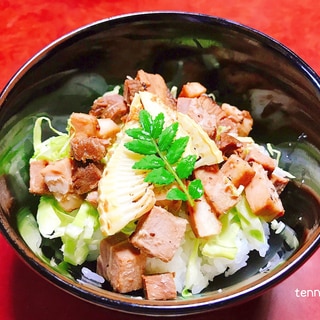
x=195 y=189
x=163 y=156
x=145 y=120
x=157 y=126
x=167 y=135
x=177 y=149
x=185 y=166
x=138 y=133
x=141 y=146
x=176 y=194
x=149 y=162
x=160 y=176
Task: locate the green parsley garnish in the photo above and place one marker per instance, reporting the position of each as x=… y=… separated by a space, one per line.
x=163 y=157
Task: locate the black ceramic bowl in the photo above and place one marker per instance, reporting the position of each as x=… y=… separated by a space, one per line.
x=240 y=65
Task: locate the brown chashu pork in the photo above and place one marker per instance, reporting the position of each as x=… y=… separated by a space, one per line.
x=159 y=234
x=121 y=263
x=159 y=286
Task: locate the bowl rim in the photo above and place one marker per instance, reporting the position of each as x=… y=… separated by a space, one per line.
x=146 y=307
x=246 y=29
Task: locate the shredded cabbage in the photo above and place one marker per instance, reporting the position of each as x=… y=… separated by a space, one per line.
x=82 y=237
x=193 y=266
x=252 y=226
x=224 y=244
x=51 y=218
x=79 y=230
x=238 y=218
x=29 y=231
x=53 y=148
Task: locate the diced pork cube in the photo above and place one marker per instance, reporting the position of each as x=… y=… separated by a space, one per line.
x=6 y=198
x=86 y=178
x=242 y=118
x=83 y=124
x=159 y=234
x=184 y=104
x=126 y=268
x=228 y=125
x=121 y=264
x=238 y=171
x=131 y=87
x=262 y=195
x=265 y=160
x=159 y=286
x=58 y=176
x=155 y=84
x=100 y=269
x=37 y=185
x=192 y=90
x=203 y=220
x=279 y=182
x=105 y=249
x=111 y=106
x=211 y=107
x=202 y=110
x=88 y=148
x=105 y=252
x=228 y=144
x=219 y=191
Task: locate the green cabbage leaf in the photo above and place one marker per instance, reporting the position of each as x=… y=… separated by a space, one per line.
x=51 y=149
x=79 y=230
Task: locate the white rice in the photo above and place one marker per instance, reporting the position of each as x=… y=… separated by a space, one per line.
x=205 y=268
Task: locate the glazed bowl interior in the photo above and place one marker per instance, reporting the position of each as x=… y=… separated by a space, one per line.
x=239 y=65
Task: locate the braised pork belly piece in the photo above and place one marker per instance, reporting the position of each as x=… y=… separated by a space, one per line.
x=221 y=185
x=213 y=117
x=203 y=110
x=192 y=90
x=86 y=178
x=109 y=106
x=88 y=148
x=241 y=118
x=37 y=184
x=57 y=176
x=121 y=263
x=279 y=182
x=159 y=286
x=154 y=83
x=131 y=87
x=255 y=155
x=229 y=144
x=262 y=195
x=203 y=220
x=238 y=171
x=159 y=234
